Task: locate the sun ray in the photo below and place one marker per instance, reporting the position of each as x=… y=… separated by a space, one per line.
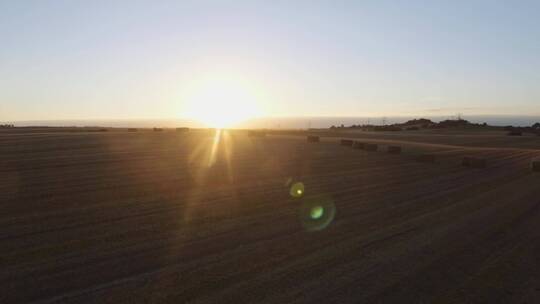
x=228 y=150
x=215 y=147
x=204 y=158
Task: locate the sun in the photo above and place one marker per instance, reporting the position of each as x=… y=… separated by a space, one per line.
x=222 y=103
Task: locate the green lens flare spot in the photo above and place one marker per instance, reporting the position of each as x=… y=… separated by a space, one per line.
x=297 y=190
x=316 y=212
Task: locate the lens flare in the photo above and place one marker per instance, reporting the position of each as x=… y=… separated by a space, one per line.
x=297 y=190
x=316 y=213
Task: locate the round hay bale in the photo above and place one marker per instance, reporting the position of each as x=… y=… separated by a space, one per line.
x=358 y=145
x=371 y=147
x=426 y=158
x=313 y=139
x=346 y=142
x=158 y=129
x=394 y=149
x=474 y=162
x=535 y=165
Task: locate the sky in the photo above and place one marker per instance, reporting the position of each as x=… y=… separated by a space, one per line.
x=171 y=59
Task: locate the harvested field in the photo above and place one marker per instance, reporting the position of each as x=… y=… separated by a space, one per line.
x=426 y=158
x=313 y=139
x=371 y=147
x=346 y=142
x=462 y=138
x=119 y=217
x=256 y=133
x=394 y=149
x=358 y=145
x=535 y=165
x=474 y=162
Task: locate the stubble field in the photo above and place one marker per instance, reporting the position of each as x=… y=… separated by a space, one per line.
x=123 y=217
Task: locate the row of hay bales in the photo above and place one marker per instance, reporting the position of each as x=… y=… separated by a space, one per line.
x=159 y=129
x=371 y=147
x=467 y=161
x=368 y=146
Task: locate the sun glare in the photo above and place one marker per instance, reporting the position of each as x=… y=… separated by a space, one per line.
x=222 y=104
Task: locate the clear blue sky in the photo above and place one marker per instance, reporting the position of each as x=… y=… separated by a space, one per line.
x=137 y=59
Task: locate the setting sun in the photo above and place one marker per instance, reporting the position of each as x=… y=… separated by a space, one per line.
x=222 y=103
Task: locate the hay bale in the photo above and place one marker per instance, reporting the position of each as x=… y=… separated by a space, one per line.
x=313 y=139
x=182 y=129
x=371 y=147
x=515 y=133
x=394 y=149
x=132 y=130
x=346 y=142
x=158 y=129
x=358 y=145
x=426 y=158
x=474 y=162
x=535 y=165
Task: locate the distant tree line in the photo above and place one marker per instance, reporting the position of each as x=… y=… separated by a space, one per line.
x=7 y=126
x=423 y=123
x=535 y=128
x=414 y=124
